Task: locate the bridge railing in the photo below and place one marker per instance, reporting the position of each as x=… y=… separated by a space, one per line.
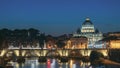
x=12 y=47
x=29 y=47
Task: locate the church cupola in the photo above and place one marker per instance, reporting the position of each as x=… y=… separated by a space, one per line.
x=87 y=26
x=87 y=22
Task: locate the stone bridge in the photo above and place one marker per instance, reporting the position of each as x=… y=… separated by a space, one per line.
x=48 y=52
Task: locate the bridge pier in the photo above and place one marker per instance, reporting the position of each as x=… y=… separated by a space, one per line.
x=2 y=61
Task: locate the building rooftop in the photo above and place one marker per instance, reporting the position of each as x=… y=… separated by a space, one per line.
x=87 y=22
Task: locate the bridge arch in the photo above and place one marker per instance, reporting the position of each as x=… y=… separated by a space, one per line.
x=75 y=53
x=53 y=54
x=10 y=53
x=30 y=53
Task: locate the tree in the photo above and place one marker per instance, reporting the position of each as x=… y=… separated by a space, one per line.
x=60 y=44
x=95 y=56
x=1 y=39
x=33 y=32
x=97 y=59
x=42 y=39
x=4 y=34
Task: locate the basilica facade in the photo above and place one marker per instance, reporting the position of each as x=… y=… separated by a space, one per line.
x=90 y=32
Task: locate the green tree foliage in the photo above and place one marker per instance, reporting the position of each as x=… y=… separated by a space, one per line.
x=96 y=56
x=60 y=44
x=18 y=36
x=42 y=39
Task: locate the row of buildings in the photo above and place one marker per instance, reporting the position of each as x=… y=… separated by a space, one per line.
x=90 y=37
x=85 y=37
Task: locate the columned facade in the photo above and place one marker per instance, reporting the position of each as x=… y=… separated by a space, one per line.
x=88 y=30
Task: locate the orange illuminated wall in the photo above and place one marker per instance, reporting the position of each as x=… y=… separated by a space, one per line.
x=115 y=43
x=77 y=43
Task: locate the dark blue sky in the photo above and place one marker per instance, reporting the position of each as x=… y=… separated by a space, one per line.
x=59 y=16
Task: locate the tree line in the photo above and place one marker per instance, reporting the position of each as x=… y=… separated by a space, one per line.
x=29 y=36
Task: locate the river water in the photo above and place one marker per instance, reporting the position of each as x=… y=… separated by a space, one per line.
x=51 y=63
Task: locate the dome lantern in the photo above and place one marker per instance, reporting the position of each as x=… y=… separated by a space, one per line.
x=87 y=19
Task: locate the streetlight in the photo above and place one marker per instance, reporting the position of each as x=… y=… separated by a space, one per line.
x=108 y=47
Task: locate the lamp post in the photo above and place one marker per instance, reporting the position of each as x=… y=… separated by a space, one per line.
x=108 y=48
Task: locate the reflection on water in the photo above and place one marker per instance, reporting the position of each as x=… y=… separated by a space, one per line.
x=51 y=63
x=77 y=64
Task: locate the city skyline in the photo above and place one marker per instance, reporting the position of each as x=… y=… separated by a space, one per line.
x=59 y=17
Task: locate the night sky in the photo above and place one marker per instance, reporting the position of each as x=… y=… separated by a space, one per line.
x=58 y=17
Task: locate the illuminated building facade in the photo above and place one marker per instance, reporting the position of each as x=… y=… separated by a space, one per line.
x=113 y=40
x=77 y=43
x=88 y=30
x=117 y=34
x=115 y=44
